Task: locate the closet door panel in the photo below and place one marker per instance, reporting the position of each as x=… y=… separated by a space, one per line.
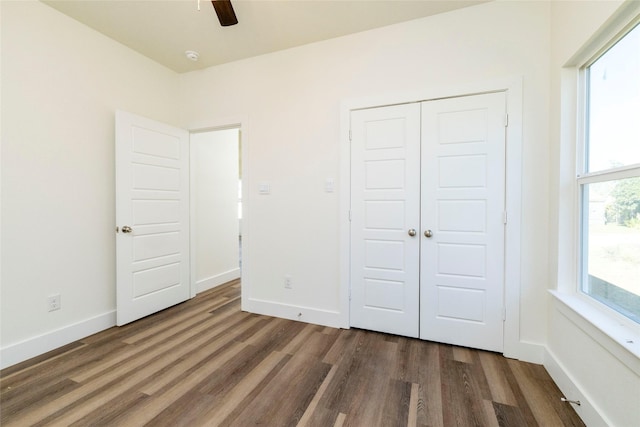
x=462 y=203
x=385 y=207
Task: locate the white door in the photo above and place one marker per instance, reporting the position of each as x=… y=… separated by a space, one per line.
x=152 y=216
x=463 y=202
x=385 y=210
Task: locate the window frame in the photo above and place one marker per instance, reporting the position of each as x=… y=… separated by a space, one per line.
x=583 y=177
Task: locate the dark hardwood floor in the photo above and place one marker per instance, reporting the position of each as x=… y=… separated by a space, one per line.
x=204 y=362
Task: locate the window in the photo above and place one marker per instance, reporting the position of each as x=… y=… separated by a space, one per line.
x=609 y=178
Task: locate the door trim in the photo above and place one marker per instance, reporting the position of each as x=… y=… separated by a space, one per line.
x=512 y=85
x=241 y=123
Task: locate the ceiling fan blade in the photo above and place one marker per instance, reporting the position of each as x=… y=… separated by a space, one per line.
x=225 y=12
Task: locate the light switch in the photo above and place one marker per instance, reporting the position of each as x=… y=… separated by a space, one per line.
x=264 y=188
x=329 y=185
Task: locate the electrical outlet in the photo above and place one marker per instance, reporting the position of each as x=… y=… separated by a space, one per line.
x=288 y=282
x=54 y=302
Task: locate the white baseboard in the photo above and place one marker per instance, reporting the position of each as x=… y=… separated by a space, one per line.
x=24 y=350
x=294 y=312
x=531 y=352
x=587 y=411
x=217 y=280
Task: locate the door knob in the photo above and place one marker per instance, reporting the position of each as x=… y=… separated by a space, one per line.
x=412 y=232
x=127 y=229
x=427 y=233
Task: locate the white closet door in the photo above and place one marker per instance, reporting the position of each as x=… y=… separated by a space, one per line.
x=385 y=211
x=463 y=199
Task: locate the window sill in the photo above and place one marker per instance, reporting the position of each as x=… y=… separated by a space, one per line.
x=619 y=339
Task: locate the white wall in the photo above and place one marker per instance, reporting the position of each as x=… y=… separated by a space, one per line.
x=292 y=100
x=587 y=364
x=61 y=84
x=215 y=169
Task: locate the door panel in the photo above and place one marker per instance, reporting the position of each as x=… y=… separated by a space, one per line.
x=385 y=205
x=462 y=264
x=152 y=188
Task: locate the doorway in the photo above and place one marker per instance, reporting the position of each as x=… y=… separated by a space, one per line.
x=216 y=207
x=428 y=220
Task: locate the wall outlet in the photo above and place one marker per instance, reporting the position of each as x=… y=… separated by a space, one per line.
x=288 y=284
x=54 y=302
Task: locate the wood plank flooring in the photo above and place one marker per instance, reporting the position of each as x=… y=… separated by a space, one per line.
x=204 y=362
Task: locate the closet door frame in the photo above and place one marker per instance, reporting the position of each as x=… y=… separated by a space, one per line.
x=512 y=86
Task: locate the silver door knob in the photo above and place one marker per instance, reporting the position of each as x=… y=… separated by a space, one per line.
x=412 y=232
x=127 y=229
x=428 y=233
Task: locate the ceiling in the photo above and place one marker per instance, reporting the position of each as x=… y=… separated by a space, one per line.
x=164 y=29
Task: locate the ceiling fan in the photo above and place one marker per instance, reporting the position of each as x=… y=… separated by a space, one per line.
x=225 y=12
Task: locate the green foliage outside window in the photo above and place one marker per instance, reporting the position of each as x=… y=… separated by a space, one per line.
x=624 y=209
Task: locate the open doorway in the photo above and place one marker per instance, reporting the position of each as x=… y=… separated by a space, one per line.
x=217 y=207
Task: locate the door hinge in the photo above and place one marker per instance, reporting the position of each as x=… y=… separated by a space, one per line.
x=504 y=314
x=349 y=135
x=506 y=120
x=504 y=217
x=349 y=216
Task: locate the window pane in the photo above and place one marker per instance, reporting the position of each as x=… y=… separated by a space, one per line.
x=612 y=235
x=613 y=131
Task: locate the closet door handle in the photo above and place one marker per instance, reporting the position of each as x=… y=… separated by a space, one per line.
x=428 y=233
x=412 y=232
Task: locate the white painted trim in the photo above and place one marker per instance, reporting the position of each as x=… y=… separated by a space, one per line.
x=192 y=219
x=217 y=280
x=35 y=346
x=513 y=347
x=610 y=31
x=568 y=227
x=344 y=222
x=601 y=323
x=433 y=93
x=531 y=352
x=293 y=312
x=587 y=410
x=622 y=341
x=244 y=226
x=241 y=123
